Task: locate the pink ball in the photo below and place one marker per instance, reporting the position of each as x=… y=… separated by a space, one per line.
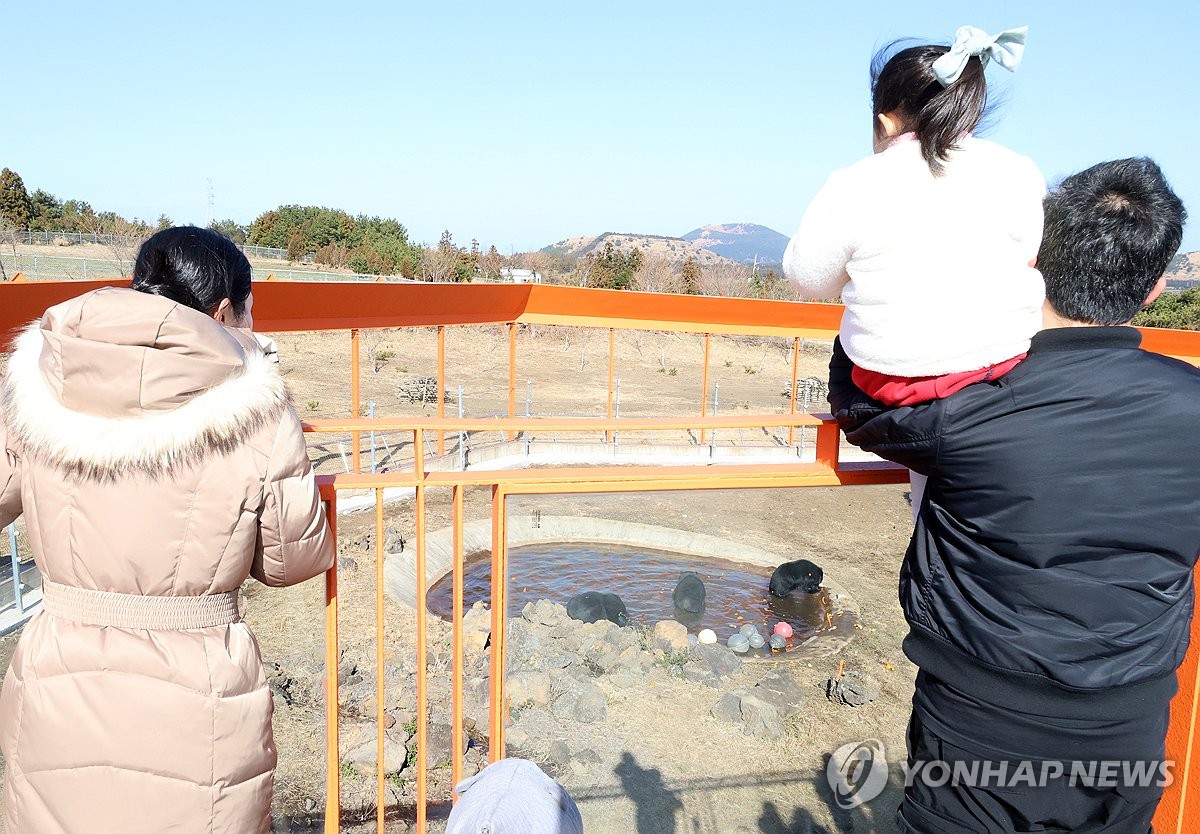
x=784 y=630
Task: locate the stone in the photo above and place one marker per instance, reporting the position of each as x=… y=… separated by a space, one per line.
x=346 y=564
x=559 y=753
x=528 y=687
x=544 y=612
x=853 y=689
x=581 y=701
x=670 y=636
x=717 y=659
x=782 y=688
x=476 y=629
x=440 y=740
x=760 y=718
x=363 y=755
x=728 y=707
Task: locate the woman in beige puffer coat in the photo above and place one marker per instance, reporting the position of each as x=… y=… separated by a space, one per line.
x=158 y=463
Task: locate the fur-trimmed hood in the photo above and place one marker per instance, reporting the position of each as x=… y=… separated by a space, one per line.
x=117 y=381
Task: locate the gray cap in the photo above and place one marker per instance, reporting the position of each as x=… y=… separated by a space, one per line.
x=513 y=796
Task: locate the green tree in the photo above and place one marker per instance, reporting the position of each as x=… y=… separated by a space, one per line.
x=690 y=280
x=164 y=222
x=295 y=244
x=47 y=212
x=16 y=209
x=231 y=229
x=1176 y=310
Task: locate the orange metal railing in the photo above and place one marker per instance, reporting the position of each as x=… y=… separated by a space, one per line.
x=286 y=306
x=826 y=471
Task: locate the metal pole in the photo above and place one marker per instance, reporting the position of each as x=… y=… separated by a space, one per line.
x=16 y=568
x=371 y=414
x=612 y=350
x=512 y=374
x=712 y=438
x=528 y=395
x=355 y=397
x=462 y=437
x=704 y=383
x=617 y=410
x=441 y=386
x=795 y=374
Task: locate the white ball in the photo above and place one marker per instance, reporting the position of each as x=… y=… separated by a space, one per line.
x=707 y=636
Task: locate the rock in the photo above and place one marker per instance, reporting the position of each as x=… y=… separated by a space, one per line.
x=783 y=689
x=544 y=612
x=393 y=542
x=528 y=687
x=559 y=753
x=587 y=755
x=581 y=701
x=517 y=737
x=756 y=716
x=717 y=659
x=728 y=707
x=760 y=718
x=670 y=636
x=853 y=689
x=477 y=629
x=395 y=753
x=693 y=640
x=440 y=740
x=560 y=660
x=346 y=564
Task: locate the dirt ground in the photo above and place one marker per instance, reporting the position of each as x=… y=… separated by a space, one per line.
x=672 y=768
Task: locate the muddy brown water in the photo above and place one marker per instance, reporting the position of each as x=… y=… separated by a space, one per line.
x=644 y=579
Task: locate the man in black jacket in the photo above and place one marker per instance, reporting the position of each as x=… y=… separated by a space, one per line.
x=1048 y=582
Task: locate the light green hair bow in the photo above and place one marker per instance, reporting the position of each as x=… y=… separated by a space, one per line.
x=1007 y=48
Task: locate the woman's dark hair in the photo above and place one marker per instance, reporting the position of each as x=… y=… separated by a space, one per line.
x=904 y=84
x=195 y=267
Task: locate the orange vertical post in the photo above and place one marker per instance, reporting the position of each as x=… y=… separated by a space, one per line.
x=704 y=383
x=355 y=400
x=612 y=355
x=828 y=439
x=333 y=771
x=456 y=686
x=1179 y=811
x=422 y=678
x=512 y=374
x=380 y=738
x=441 y=386
x=795 y=376
x=497 y=708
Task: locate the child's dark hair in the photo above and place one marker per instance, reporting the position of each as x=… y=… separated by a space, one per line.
x=194 y=267
x=903 y=84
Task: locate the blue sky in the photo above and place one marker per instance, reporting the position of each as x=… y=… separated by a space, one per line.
x=523 y=123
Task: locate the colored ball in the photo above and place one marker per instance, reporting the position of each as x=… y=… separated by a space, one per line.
x=778 y=643
x=784 y=630
x=757 y=641
x=739 y=642
x=748 y=629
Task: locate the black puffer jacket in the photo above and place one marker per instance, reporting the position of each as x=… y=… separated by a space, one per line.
x=1053 y=554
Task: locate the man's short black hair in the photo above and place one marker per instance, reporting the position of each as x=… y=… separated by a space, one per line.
x=1110 y=232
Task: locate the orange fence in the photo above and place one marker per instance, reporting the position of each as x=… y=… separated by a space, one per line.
x=285 y=306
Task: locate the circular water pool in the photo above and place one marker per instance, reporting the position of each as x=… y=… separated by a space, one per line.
x=645 y=579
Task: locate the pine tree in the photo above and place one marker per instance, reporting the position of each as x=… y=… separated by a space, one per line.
x=691 y=276
x=16 y=210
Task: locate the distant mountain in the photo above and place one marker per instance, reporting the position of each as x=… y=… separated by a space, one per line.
x=673 y=249
x=741 y=242
x=1184 y=270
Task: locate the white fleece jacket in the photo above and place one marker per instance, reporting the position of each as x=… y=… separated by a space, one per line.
x=934 y=271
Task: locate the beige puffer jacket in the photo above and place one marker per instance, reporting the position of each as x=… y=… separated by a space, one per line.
x=155 y=457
